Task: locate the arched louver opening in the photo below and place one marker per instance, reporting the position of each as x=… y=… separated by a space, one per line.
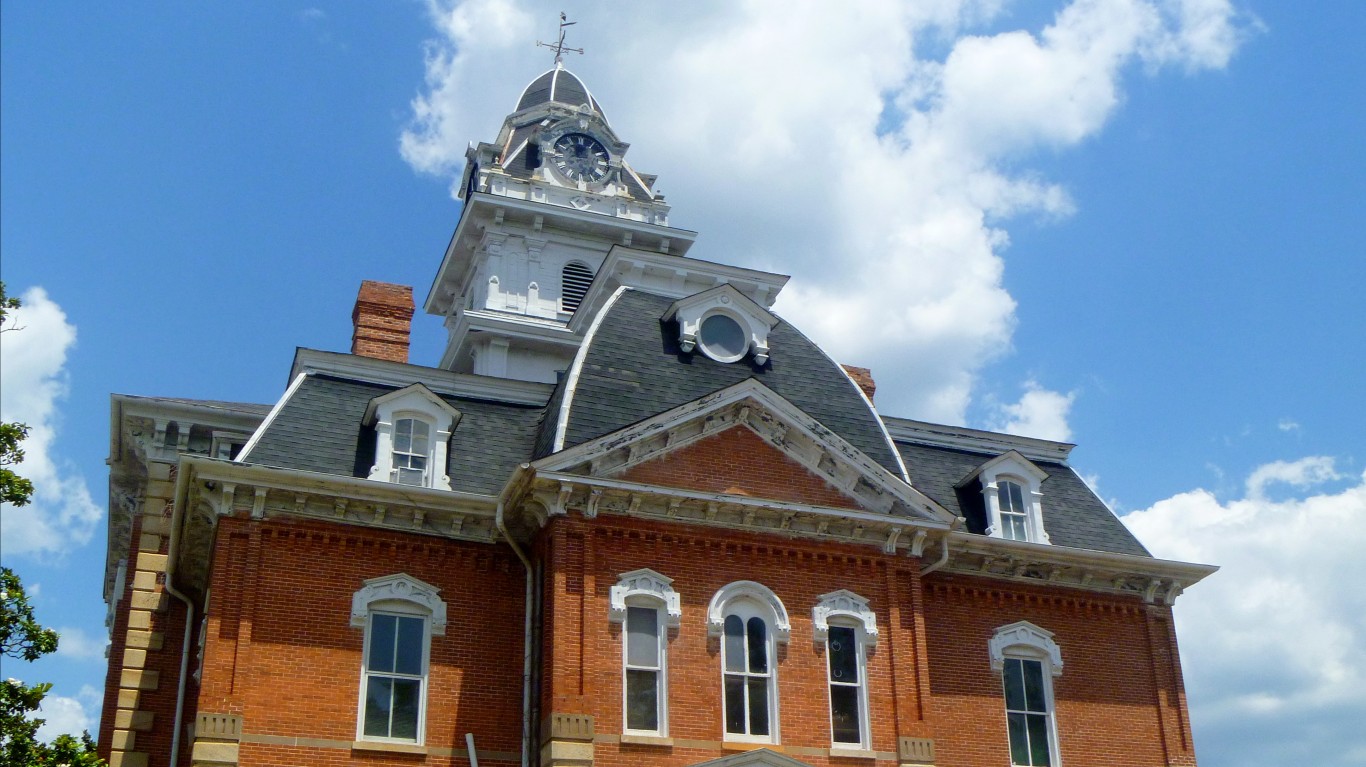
x=574 y=281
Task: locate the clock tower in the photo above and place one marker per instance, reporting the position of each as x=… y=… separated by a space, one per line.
x=544 y=204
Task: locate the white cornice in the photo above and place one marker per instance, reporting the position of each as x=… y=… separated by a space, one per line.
x=440 y=381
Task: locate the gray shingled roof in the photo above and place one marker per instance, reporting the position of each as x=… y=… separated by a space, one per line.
x=1072 y=514
x=633 y=370
x=320 y=429
x=558 y=85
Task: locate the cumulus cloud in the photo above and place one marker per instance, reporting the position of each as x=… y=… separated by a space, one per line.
x=874 y=156
x=1274 y=644
x=76 y=644
x=1039 y=413
x=64 y=715
x=33 y=381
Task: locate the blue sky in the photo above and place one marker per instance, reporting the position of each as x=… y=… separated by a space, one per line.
x=1133 y=225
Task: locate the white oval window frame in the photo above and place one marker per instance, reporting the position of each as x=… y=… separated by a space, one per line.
x=740 y=323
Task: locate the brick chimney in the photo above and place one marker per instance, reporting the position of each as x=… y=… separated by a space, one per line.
x=381 y=321
x=864 y=378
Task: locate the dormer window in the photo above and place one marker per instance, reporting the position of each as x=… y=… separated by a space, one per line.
x=1011 y=505
x=1012 y=497
x=412 y=432
x=412 y=452
x=724 y=324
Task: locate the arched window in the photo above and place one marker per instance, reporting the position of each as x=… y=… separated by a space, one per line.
x=646 y=603
x=575 y=278
x=750 y=620
x=845 y=628
x=399 y=614
x=1028 y=659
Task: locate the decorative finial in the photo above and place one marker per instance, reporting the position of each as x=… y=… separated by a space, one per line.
x=559 y=47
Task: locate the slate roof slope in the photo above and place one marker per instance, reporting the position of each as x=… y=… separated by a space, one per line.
x=320 y=429
x=1072 y=514
x=633 y=370
x=559 y=85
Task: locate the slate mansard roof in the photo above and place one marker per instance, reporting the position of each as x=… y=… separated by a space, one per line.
x=630 y=369
x=561 y=86
x=320 y=428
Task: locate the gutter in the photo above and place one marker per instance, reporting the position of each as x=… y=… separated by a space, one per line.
x=499 y=521
x=181 y=491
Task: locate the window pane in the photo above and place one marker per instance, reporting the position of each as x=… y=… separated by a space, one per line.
x=381 y=643
x=1014 y=525
x=758 y=646
x=1016 y=497
x=843 y=655
x=1014 y=681
x=1038 y=740
x=735 y=643
x=642 y=700
x=1033 y=686
x=420 y=432
x=403 y=434
x=409 y=655
x=758 y=706
x=410 y=477
x=642 y=637
x=377 y=702
x=735 y=704
x=407 y=693
x=844 y=721
x=1019 y=739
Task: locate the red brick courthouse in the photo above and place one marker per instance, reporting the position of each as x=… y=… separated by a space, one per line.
x=629 y=517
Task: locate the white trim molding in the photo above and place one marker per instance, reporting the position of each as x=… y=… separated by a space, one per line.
x=843 y=604
x=1012 y=467
x=644 y=583
x=716 y=609
x=1025 y=639
x=693 y=311
x=399 y=587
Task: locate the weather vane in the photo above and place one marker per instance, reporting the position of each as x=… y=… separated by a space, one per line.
x=559 y=47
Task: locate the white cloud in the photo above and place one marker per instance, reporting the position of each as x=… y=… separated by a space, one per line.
x=1039 y=413
x=75 y=644
x=806 y=139
x=68 y=715
x=1286 y=424
x=33 y=381
x=1274 y=644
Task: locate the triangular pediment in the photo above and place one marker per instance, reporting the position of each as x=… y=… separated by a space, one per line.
x=743 y=441
x=759 y=757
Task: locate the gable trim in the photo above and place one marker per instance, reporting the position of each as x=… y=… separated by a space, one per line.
x=270 y=418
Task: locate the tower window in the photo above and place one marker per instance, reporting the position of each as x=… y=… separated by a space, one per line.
x=575 y=278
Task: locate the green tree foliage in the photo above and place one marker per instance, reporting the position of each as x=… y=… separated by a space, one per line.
x=22 y=637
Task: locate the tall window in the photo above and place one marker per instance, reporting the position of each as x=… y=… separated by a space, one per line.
x=1029 y=717
x=844 y=658
x=1014 y=514
x=843 y=621
x=395 y=675
x=400 y=614
x=574 y=281
x=644 y=669
x=749 y=684
x=646 y=604
x=412 y=452
x=1028 y=659
x=750 y=621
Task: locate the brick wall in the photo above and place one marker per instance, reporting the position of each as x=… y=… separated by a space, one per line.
x=281 y=651
x=381 y=321
x=738 y=461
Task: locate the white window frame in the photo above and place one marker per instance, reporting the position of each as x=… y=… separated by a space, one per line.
x=1013 y=467
x=1027 y=642
x=747 y=599
x=418 y=403
x=846 y=609
x=402 y=596
x=648 y=589
x=754 y=320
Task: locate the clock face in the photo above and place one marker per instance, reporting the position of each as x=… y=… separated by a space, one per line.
x=580 y=157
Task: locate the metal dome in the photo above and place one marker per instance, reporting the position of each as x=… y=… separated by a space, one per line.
x=560 y=86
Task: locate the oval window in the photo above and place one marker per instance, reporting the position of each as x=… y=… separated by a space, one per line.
x=723 y=339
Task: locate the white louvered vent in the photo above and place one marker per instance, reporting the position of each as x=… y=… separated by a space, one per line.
x=574 y=281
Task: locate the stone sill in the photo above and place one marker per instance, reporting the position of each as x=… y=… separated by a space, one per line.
x=388 y=748
x=646 y=740
x=745 y=745
x=852 y=753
